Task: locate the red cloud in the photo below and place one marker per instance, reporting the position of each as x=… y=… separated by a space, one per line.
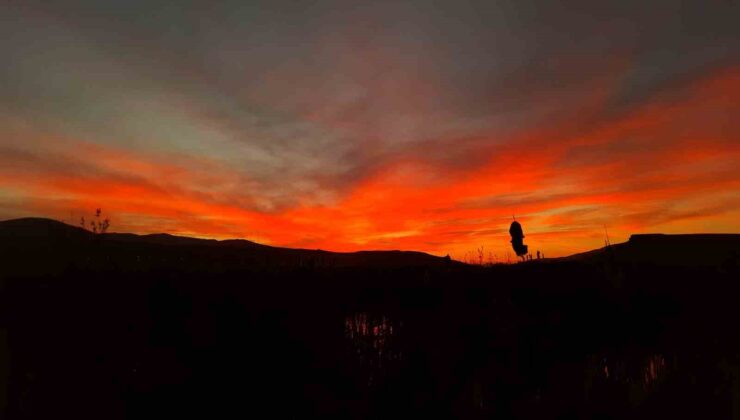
x=669 y=165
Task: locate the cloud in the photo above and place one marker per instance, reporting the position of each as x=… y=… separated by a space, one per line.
x=387 y=125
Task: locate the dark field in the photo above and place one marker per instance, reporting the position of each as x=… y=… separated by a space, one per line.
x=115 y=326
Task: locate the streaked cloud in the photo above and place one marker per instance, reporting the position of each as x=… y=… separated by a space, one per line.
x=385 y=125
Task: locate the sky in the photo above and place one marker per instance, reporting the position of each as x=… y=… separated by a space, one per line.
x=340 y=125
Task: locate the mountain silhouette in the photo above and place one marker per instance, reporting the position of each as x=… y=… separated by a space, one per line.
x=60 y=244
x=29 y=240
x=690 y=250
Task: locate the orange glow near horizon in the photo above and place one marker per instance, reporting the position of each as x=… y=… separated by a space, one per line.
x=670 y=165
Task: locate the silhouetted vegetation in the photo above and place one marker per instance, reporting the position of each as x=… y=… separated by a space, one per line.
x=517 y=239
x=96 y=225
x=161 y=326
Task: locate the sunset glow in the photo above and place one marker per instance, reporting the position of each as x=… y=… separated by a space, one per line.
x=360 y=128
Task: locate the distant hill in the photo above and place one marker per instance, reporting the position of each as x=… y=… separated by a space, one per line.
x=29 y=241
x=660 y=249
x=37 y=245
x=35 y=228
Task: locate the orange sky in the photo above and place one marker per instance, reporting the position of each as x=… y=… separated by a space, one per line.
x=668 y=166
x=381 y=126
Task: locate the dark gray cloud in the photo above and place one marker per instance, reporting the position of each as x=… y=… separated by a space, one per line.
x=306 y=99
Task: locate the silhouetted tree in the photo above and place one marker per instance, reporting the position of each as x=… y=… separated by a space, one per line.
x=105 y=225
x=517 y=239
x=96 y=226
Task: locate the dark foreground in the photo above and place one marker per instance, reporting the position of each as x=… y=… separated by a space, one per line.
x=106 y=328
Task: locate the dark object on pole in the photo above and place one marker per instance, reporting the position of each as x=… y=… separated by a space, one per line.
x=517 y=239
